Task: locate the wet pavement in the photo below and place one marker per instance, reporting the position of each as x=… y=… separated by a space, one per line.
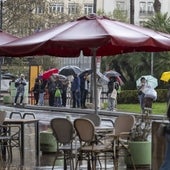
x=46 y=159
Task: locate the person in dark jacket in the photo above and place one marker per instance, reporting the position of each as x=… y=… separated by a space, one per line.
x=75 y=89
x=64 y=92
x=84 y=86
x=51 y=85
x=36 y=90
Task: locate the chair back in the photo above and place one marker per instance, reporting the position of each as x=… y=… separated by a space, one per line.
x=124 y=123
x=94 y=118
x=85 y=129
x=63 y=130
x=2 y=116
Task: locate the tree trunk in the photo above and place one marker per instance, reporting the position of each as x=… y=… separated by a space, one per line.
x=157 y=6
x=132 y=11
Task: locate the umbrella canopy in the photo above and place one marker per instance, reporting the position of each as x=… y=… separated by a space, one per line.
x=8 y=76
x=46 y=74
x=106 y=36
x=112 y=73
x=6 y=38
x=69 y=70
x=60 y=76
x=86 y=71
x=151 y=81
x=102 y=78
x=165 y=76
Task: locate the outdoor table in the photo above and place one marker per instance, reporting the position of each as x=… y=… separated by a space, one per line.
x=104 y=129
x=22 y=123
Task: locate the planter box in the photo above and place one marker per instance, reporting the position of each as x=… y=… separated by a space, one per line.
x=141 y=154
x=47 y=142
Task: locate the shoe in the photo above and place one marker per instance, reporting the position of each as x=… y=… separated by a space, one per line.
x=15 y=104
x=21 y=104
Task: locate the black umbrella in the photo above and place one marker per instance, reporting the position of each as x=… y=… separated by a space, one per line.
x=70 y=70
x=86 y=71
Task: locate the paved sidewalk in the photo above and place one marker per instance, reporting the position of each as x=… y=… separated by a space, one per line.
x=44 y=114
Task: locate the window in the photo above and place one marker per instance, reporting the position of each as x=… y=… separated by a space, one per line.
x=39 y=10
x=72 y=8
x=120 y=5
x=150 y=9
x=88 y=9
x=142 y=8
x=56 y=8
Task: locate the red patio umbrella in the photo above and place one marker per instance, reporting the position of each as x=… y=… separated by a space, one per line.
x=104 y=36
x=94 y=35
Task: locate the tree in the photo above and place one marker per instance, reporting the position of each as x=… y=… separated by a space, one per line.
x=132 y=11
x=159 y=22
x=25 y=17
x=157 y=6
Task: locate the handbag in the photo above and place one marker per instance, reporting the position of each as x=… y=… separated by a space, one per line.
x=114 y=94
x=57 y=93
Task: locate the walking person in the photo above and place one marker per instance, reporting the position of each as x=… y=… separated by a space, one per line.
x=113 y=86
x=75 y=89
x=36 y=90
x=20 y=84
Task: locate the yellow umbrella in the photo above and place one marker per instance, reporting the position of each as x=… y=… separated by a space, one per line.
x=165 y=76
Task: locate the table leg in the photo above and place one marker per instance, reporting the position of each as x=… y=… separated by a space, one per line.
x=22 y=144
x=37 y=143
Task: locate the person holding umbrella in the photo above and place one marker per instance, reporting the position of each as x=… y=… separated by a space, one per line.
x=141 y=88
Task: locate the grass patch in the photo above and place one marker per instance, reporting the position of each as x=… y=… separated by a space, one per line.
x=157 y=108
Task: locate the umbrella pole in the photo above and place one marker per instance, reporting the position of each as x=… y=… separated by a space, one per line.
x=94 y=78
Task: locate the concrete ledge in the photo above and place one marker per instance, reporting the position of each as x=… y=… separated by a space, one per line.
x=115 y=113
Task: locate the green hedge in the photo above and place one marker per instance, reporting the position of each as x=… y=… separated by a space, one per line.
x=130 y=96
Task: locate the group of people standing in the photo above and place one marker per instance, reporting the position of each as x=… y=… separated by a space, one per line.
x=56 y=88
x=79 y=87
x=57 y=91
